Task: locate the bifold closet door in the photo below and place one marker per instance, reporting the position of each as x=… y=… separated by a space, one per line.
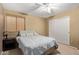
x=20 y=23
x=60 y=29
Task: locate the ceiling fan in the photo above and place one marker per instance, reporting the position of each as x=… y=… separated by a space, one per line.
x=47 y=7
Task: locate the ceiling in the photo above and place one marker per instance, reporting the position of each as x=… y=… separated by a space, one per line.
x=40 y=9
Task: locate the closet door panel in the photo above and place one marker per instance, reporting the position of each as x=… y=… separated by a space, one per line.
x=11 y=23
x=20 y=23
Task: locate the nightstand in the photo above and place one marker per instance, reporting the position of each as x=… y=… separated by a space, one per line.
x=9 y=44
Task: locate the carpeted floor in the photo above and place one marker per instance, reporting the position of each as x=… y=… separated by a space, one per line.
x=62 y=50
x=67 y=50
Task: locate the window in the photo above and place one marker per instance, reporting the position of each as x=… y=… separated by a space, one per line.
x=14 y=23
x=10 y=23
x=20 y=23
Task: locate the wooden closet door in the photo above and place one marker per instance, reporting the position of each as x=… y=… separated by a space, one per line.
x=11 y=23
x=20 y=23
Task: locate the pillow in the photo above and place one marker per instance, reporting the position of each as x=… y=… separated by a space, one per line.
x=35 y=33
x=29 y=33
x=23 y=33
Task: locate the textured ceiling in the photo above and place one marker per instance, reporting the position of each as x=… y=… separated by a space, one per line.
x=42 y=10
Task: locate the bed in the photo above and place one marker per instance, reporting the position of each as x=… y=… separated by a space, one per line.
x=32 y=43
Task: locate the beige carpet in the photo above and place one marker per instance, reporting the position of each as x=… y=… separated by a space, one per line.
x=67 y=50
x=62 y=50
